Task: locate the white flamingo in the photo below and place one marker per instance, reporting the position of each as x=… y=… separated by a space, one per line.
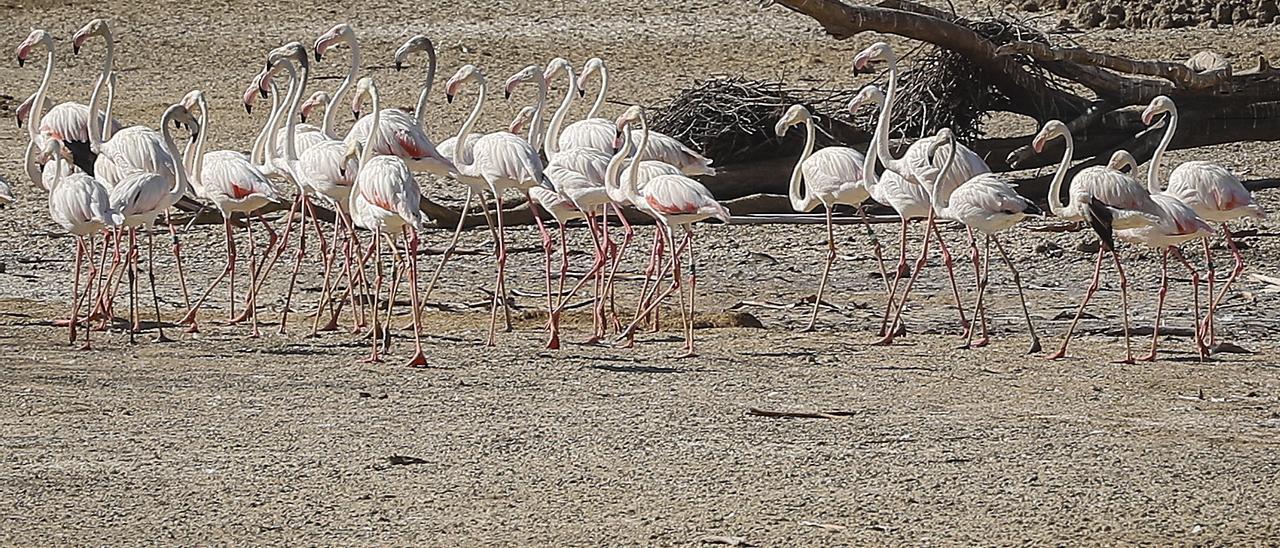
x=919 y=168
x=1213 y=192
x=80 y=205
x=675 y=201
x=1130 y=206
x=504 y=161
x=401 y=134
x=386 y=199
x=234 y=185
x=141 y=197
x=990 y=205
x=827 y=177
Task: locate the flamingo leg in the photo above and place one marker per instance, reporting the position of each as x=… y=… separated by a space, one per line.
x=194 y=311
x=1022 y=296
x=326 y=289
x=897 y=276
x=151 y=275
x=1236 y=270
x=377 y=288
x=453 y=242
x=1195 y=292
x=419 y=359
x=499 y=292
x=628 y=233
x=297 y=262
x=673 y=269
x=75 y=287
x=134 y=320
x=88 y=293
x=548 y=248
x=979 y=313
x=982 y=278
x=693 y=292
x=1088 y=294
x=592 y=274
x=1124 y=301
x=251 y=301
x=1209 y=320
x=1160 y=296
x=100 y=308
x=111 y=288
x=826 y=271
x=951 y=273
x=177 y=257
x=892 y=331
x=397 y=272
x=877 y=250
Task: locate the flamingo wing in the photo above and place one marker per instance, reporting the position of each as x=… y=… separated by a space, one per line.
x=667 y=149
x=593 y=133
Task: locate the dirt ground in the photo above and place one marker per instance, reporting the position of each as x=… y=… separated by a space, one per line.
x=220 y=438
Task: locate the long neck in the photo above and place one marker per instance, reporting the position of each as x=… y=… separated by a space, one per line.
x=539 y=107
x=631 y=189
x=107 y=126
x=600 y=95
x=613 y=173
x=197 y=170
x=34 y=120
x=374 y=125
x=936 y=198
x=291 y=141
x=552 y=145
x=886 y=120
x=33 y=169
x=1153 y=172
x=180 y=175
x=420 y=113
x=795 y=191
x=331 y=110
x=460 y=146
x=258 y=155
x=869 y=179
x=1055 y=188
x=269 y=153
x=108 y=65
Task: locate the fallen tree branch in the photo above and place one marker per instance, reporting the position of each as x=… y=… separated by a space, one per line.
x=1178 y=73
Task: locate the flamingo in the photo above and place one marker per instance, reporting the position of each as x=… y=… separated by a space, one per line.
x=831 y=176
x=910 y=201
x=80 y=205
x=234 y=184
x=386 y=199
x=401 y=134
x=1129 y=205
x=990 y=205
x=918 y=168
x=141 y=197
x=504 y=161
x=1214 y=193
x=673 y=200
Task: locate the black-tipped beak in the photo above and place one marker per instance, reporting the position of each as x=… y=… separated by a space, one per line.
x=506 y=95
x=75 y=49
x=262 y=93
x=399 y=66
x=177 y=124
x=319 y=56
x=19 y=120
x=302 y=117
x=355 y=115
x=268 y=65
x=582 y=93
x=248 y=109
x=22 y=62
x=448 y=98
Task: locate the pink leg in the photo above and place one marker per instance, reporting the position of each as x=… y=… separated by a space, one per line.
x=193 y=312
x=1017 y=281
x=979 y=313
x=826 y=271
x=419 y=359
x=499 y=293
x=88 y=294
x=981 y=281
x=251 y=302
x=377 y=288
x=627 y=235
x=1235 y=273
x=151 y=275
x=75 y=287
x=1195 y=292
x=1209 y=328
x=1093 y=288
x=1164 y=291
x=177 y=257
x=891 y=333
x=297 y=262
x=899 y=271
x=951 y=274
x=1124 y=301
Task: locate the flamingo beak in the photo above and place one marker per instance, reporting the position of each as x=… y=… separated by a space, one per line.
x=448 y=98
x=1037 y=144
x=399 y=66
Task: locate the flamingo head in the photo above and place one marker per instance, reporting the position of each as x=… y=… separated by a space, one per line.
x=260 y=82
x=191 y=99
x=794 y=115
x=870 y=94
x=527 y=74
x=181 y=117
x=340 y=32
x=96 y=27
x=1123 y=162
x=318 y=99
x=522 y=118
x=413 y=45
x=633 y=114
x=1158 y=106
x=594 y=64
x=354 y=150
x=558 y=66
x=465 y=74
x=1051 y=130
x=37 y=36
x=879 y=52
x=365 y=88
x=293 y=51
x=23 y=112
x=944 y=137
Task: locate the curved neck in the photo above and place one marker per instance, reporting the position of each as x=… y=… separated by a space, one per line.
x=600 y=95
x=33 y=122
x=331 y=110
x=613 y=173
x=936 y=199
x=869 y=178
x=180 y=175
x=539 y=107
x=796 y=191
x=291 y=123
x=631 y=189
x=886 y=120
x=552 y=145
x=197 y=169
x=419 y=113
x=107 y=126
x=1153 y=172
x=108 y=65
x=460 y=146
x=1055 y=188
x=375 y=123
x=258 y=155
x=33 y=169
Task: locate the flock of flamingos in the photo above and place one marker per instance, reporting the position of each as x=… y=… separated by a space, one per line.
x=105 y=181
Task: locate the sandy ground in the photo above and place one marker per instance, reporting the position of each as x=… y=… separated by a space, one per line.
x=221 y=438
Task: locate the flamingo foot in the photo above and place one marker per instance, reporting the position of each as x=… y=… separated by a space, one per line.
x=162 y=338
x=1060 y=354
x=985 y=341
x=686 y=354
x=1035 y=346
x=1148 y=358
x=419 y=360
